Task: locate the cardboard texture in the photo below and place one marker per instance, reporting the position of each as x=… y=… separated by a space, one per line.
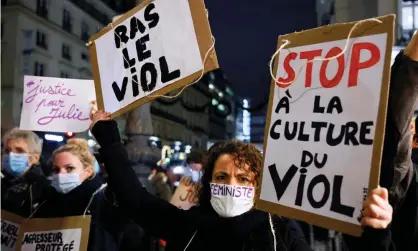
x=11 y=217
x=185 y=195
x=328 y=34
x=204 y=38
x=10 y=231
x=57 y=224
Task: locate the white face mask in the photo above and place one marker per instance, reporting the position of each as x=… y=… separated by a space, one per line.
x=65 y=182
x=230 y=201
x=196 y=175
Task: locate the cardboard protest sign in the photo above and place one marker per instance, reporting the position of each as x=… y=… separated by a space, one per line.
x=155 y=48
x=325 y=130
x=59 y=234
x=185 y=195
x=56 y=104
x=10 y=224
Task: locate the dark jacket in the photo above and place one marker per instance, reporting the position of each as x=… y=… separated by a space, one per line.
x=107 y=221
x=405 y=220
x=397 y=171
x=199 y=226
x=19 y=194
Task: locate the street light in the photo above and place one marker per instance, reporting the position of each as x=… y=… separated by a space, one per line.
x=53 y=137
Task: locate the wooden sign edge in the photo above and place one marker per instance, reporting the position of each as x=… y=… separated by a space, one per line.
x=337 y=32
x=204 y=40
x=55 y=224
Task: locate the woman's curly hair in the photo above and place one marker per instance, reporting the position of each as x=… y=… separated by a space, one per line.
x=242 y=153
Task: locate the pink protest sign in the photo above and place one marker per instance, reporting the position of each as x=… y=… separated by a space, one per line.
x=56 y=104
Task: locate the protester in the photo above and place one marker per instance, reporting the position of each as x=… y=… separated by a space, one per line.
x=194 y=161
x=397 y=171
x=23 y=181
x=75 y=184
x=158 y=180
x=219 y=222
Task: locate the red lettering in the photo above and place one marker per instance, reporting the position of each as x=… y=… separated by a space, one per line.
x=356 y=65
x=329 y=83
x=289 y=70
x=309 y=55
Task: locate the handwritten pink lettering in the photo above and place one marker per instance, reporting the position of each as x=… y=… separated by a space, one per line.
x=57 y=113
x=45 y=103
x=57 y=89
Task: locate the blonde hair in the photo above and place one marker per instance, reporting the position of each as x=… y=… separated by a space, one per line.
x=78 y=148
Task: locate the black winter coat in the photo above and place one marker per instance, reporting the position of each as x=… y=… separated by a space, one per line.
x=198 y=228
x=19 y=194
x=397 y=172
x=107 y=222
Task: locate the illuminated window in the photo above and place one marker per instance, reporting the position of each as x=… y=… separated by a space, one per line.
x=409 y=15
x=246 y=127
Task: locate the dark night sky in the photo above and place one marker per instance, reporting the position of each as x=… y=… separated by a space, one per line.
x=246 y=36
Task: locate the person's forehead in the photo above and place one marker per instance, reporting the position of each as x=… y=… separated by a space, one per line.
x=66 y=158
x=227 y=162
x=17 y=143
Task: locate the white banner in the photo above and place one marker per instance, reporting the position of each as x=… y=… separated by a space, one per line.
x=150 y=50
x=325 y=127
x=56 y=104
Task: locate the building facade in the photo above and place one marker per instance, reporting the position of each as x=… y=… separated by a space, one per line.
x=48 y=38
x=201 y=115
x=341 y=11
x=45 y=38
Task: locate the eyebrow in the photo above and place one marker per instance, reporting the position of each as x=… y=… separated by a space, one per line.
x=221 y=172
x=244 y=173
x=68 y=165
x=20 y=149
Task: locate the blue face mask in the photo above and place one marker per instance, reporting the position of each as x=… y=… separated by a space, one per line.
x=96 y=167
x=196 y=175
x=16 y=164
x=65 y=182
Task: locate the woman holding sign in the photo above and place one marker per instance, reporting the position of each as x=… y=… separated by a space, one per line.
x=79 y=191
x=397 y=171
x=225 y=218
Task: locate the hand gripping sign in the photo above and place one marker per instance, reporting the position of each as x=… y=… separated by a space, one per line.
x=155 y=48
x=325 y=124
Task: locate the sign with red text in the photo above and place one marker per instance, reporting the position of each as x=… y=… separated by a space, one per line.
x=10 y=225
x=155 y=48
x=185 y=195
x=68 y=233
x=325 y=126
x=56 y=104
